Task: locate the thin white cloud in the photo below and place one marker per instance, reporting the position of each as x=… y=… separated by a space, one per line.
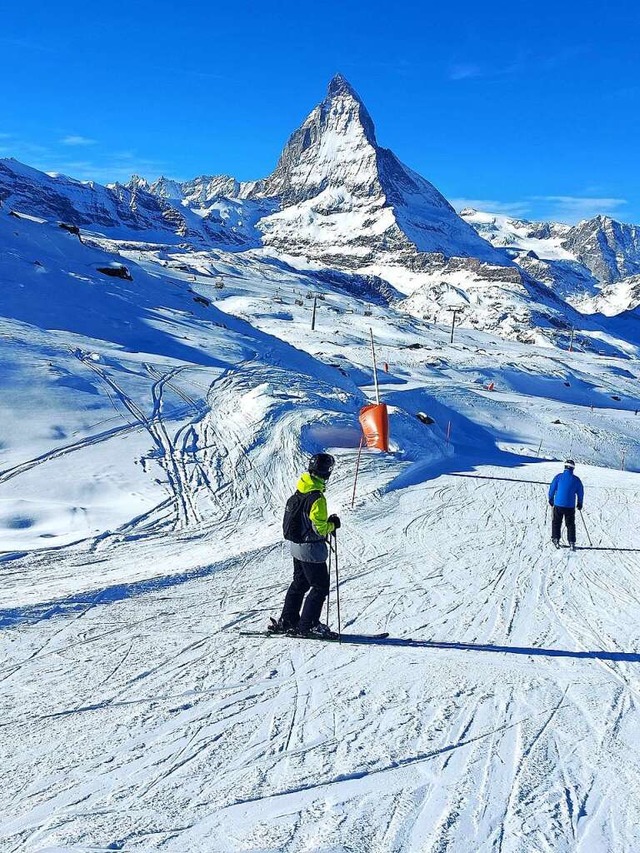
x=522 y=62
x=465 y=71
x=108 y=169
x=505 y=208
x=548 y=208
x=572 y=209
x=472 y=70
x=77 y=140
x=96 y=166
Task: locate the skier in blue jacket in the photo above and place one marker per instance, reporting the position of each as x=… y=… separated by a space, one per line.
x=564 y=491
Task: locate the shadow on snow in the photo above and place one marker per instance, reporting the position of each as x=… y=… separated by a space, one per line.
x=12 y=617
x=625 y=657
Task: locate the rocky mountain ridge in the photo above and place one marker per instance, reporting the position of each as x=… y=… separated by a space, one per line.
x=608 y=249
x=577 y=261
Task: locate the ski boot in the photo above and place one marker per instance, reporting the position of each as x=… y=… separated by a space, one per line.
x=277 y=626
x=320 y=631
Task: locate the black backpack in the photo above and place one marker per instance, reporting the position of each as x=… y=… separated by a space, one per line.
x=296 y=525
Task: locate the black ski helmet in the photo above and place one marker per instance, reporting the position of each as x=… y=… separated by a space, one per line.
x=570 y=464
x=321 y=465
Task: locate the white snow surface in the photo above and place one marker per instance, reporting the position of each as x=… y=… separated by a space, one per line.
x=545 y=239
x=150 y=432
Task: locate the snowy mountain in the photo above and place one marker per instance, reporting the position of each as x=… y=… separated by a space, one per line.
x=575 y=261
x=341 y=199
x=338 y=201
x=609 y=249
x=541 y=238
x=349 y=203
x=118 y=210
x=131 y=212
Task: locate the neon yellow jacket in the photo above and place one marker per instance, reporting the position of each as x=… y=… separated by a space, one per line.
x=314 y=550
x=318 y=512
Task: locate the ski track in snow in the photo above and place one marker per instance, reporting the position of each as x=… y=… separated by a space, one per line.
x=189 y=743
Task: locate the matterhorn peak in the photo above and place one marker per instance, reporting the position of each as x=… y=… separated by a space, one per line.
x=334 y=144
x=344 y=103
x=333 y=180
x=339 y=85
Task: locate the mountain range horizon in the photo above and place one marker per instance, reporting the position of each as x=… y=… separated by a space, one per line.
x=337 y=84
x=339 y=201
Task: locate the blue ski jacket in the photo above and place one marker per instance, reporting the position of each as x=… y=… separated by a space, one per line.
x=564 y=490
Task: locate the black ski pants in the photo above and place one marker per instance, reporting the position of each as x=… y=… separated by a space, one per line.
x=311 y=578
x=569 y=515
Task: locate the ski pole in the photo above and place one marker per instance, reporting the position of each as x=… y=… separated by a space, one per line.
x=335 y=560
x=329 y=570
x=585 y=529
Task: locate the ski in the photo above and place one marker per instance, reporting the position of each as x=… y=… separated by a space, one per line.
x=345 y=638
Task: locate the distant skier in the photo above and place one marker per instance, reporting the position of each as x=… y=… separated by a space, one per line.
x=564 y=491
x=306 y=527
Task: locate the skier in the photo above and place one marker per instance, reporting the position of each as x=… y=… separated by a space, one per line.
x=564 y=490
x=307 y=527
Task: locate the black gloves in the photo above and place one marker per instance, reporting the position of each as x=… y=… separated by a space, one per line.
x=335 y=520
x=550 y=502
x=579 y=507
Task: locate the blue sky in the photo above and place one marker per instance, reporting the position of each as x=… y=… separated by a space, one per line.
x=530 y=109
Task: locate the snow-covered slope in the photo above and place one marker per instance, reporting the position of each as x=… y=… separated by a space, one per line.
x=503 y=301
x=614 y=299
x=151 y=428
x=132 y=212
x=112 y=367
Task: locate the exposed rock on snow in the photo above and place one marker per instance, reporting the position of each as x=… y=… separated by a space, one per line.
x=609 y=249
